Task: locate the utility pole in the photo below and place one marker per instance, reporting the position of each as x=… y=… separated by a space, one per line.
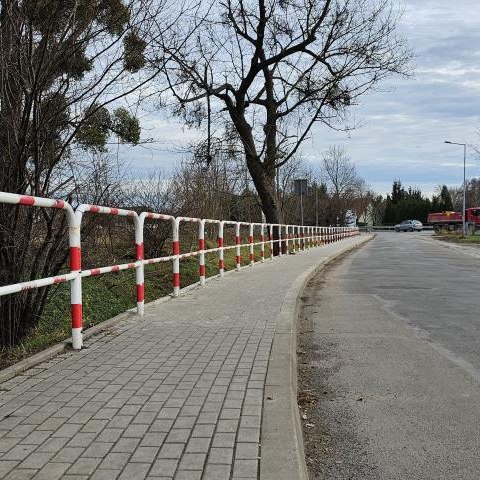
x=464 y=145
x=301 y=204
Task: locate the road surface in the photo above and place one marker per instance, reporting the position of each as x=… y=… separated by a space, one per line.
x=389 y=363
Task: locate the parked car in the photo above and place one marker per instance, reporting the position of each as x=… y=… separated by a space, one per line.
x=409 y=226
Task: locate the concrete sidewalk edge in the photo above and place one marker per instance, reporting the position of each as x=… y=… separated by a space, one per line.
x=282 y=452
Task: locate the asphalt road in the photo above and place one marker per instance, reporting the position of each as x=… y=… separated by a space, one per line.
x=389 y=363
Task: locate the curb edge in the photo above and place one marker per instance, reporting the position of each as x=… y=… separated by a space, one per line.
x=282 y=448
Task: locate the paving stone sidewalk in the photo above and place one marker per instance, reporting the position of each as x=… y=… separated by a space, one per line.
x=177 y=394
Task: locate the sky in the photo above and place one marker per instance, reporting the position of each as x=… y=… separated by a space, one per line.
x=403 y=126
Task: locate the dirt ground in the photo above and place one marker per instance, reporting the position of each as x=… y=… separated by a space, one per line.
x=333 y=447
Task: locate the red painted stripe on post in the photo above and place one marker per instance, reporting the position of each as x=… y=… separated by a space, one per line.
x=237 y=240
x=115 y=268
x=221 y=264
x=75 y=258
x=220 y=242
x=94 y=209
x=238 y=259
x=113 y=211
x=202 y=270
x=139 y=251
x=176 y=279
x=140 y=292
x=59 y=280
x=59 y=204
x=176 y=248
x=201 y=243
x=250 y=257
x=95 y=271
x=76 y=310
x=250 y=239
x=26 y=200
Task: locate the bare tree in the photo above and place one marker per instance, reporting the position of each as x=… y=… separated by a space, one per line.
x=219 y=187
x=342 y=181
x=273 y=69
x=376 y=209
x=361 y=203
x=456 y=194
x=473 y=193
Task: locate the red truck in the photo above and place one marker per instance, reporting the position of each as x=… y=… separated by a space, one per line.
x=453 y=220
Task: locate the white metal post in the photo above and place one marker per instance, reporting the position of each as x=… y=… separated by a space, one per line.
x=176 y=253
x=262 y=240
x=286 y=240
x=201 y=246
x=139 y=268
x=270 y=228
x=238 y=257
x=280 y=253
x=221 y=264
x=250 y=249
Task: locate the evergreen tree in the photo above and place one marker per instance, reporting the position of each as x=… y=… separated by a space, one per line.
x=406 y=204
x=398 y=192
x=446 y=203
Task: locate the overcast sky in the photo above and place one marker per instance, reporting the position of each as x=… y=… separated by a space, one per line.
x=403 y=126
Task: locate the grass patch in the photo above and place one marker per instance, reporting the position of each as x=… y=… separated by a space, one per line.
x=457 y=238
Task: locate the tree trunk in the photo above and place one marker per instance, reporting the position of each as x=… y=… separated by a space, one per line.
x=265 y=186
x=263 y=178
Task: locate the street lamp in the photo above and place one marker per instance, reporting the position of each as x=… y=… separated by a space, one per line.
x=464 y=145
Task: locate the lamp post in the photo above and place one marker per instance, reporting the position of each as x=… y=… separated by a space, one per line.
x=464 y=145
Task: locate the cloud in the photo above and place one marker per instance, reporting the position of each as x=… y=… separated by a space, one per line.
x=404 y=127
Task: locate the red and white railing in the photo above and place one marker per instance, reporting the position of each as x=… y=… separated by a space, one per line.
x=291 y=238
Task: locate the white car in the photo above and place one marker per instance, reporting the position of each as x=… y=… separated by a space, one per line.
x=409 y=226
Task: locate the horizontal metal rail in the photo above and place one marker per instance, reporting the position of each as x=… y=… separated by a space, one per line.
x=291 y=239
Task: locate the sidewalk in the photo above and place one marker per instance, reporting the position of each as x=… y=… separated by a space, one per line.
x=177 y=394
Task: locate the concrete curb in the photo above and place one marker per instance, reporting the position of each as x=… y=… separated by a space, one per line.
x=47 y=354
x=30 y=362
x=282 y=448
